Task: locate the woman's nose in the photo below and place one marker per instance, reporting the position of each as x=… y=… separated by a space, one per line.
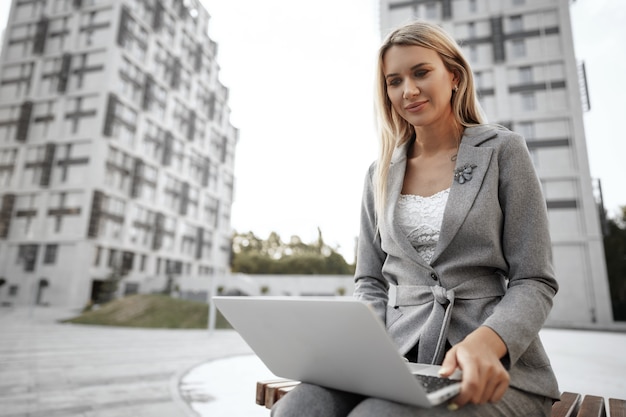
x=411 y=90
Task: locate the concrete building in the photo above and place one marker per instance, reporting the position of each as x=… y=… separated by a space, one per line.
x=116 y=150
x=522 y=54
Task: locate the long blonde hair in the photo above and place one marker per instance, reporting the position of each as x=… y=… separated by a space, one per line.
x=393 y=130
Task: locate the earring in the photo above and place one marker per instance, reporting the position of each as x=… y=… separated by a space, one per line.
x=456 y=88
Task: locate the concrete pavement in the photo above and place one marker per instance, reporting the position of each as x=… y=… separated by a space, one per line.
x=51 y=369
x=48 y=369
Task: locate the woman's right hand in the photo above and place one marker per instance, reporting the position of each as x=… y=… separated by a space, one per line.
x=484 y=377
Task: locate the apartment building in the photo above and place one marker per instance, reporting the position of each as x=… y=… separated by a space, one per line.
x=528 y=79
x=116 y=151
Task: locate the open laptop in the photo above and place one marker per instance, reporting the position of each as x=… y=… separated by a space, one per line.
x=333 y=342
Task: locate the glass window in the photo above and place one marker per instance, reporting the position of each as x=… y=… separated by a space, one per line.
x=98 y=255
x=516 y=24
x=13 y=290
x=112 y=262
x=431 y=11
x=528 y=101
x=525 y=75
x=471 y=30
x=526 y=129
x=519 y=48
x=473 y=54
x=50 y=254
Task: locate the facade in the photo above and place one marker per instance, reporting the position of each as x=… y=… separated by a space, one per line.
x=116 y=151
x=522 y=55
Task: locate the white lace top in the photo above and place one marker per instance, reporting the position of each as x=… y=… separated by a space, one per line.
x=420 y=218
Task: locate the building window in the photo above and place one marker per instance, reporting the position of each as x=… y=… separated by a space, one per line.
x=119 y=167
x=27 y=256
x=526 y=129
x=43 y=118
x=50 y=254
x=525 y=75
x=17 y=79
x=72 y=164
x=57 y=33
x=112 y=261
x=26 y=213
x=519 y=2
x=517 y=24
x=80 y=108
x=479 y=80
x=528 y=101
x=96 y=260
x=64 y=204
x=473 y=54
x=471 y=30
x=142 y=228
x=431 y=11
x=112 y=218
x=131 y=81
x=7 y=165
x=128 y=259
x=519 y=48
x=472 y=6
x=210 y=210
x=13 y=289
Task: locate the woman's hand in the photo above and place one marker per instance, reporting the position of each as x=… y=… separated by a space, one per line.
x=484 y=377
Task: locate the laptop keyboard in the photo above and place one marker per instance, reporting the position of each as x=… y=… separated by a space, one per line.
x=433 y=383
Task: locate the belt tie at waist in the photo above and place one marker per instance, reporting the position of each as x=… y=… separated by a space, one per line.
x=436 y=326
x=434 y=331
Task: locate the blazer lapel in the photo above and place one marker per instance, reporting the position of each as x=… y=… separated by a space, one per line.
x=462 y=196
x=394 y=188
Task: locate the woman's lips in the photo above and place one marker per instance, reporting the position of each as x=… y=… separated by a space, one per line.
x=415 y=107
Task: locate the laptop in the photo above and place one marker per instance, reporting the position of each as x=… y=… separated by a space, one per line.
x=333 y=342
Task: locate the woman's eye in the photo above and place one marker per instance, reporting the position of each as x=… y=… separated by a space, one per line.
x=394 y=82
x=420 y=73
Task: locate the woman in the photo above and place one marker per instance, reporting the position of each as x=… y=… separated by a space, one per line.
x=454 y=251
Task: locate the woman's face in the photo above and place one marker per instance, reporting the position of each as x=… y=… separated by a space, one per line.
x=419 y=86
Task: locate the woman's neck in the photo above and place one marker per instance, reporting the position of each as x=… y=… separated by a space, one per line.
x=432 y=140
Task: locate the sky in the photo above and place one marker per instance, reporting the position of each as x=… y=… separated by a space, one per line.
x=300 y=76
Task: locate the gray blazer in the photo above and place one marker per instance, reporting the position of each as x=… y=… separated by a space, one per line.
x=492 y=265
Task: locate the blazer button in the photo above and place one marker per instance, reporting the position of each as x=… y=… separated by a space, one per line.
x=433 y=276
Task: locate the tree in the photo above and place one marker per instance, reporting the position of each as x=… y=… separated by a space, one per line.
x=615 y=253
x=252 y=255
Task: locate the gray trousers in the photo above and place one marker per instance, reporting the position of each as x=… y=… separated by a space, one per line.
x=308 y=400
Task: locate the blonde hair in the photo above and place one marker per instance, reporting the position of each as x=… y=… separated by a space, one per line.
x=393 y=130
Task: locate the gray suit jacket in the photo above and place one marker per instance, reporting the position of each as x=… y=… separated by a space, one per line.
x=492 y=265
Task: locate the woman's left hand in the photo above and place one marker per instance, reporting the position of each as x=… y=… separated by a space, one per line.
x=484 y=377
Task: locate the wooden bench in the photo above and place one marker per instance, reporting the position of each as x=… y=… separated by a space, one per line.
x=570 y=405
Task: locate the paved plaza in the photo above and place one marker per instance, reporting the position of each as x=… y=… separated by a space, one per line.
x=49 y=369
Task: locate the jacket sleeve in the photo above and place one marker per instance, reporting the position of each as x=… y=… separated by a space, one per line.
x=528 y=250
x=370 y=285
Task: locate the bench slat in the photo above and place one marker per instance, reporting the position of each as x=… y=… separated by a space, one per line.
x=260 y=389
x=274 y=392
x=570 y=404
x=567 y=406
x=592 y=406
x=617 y=408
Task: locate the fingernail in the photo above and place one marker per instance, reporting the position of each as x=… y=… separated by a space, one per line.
x=452 y=407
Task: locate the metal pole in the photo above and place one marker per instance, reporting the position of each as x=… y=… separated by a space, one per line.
x=212 y=310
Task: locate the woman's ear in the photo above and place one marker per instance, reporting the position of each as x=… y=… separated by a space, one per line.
x=456 y=77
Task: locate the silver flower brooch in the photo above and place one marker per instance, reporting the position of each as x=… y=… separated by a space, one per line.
x=464 y=174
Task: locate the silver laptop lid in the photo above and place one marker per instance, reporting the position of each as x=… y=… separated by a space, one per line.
x=333 y=342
